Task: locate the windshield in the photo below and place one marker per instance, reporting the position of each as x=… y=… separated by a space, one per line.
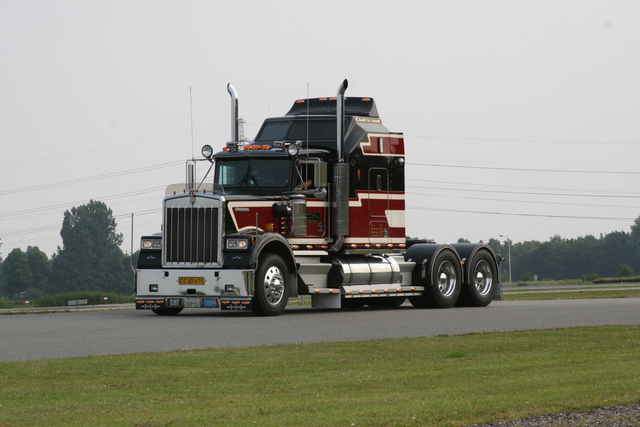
x=237 y=176
x=297 y=130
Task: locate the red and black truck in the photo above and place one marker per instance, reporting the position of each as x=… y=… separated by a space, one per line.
x=314 y=205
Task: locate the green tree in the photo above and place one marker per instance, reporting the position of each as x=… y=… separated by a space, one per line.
x=634 y=242
x=1 y=272
x=625 y=271
x=18 y=274
x=91 y=258
x=40 y=267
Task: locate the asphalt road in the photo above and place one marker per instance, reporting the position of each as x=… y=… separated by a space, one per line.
x=73 y=334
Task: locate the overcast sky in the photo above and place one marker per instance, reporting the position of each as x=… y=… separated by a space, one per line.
x=521 y=118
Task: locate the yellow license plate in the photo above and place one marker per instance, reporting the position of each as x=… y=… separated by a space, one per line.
x=191 y=280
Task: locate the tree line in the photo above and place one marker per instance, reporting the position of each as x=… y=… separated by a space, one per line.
x=91 y=259
x=616 y=254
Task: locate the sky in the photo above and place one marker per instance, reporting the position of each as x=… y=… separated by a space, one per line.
x=521 y=118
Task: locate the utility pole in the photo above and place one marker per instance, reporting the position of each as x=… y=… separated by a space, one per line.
x=509 y=243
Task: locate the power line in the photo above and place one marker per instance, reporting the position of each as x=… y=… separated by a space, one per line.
x=526 y=141
x=112 y=147
x=93 y=178
x=527 y=193
x=442 y=165
x=538 y=202
x=420 y=208
x=493 y=185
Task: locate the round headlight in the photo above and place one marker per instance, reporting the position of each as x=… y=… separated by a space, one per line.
x=293 y=149
x=207 y=151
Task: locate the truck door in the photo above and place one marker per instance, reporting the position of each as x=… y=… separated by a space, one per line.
x=378 y=205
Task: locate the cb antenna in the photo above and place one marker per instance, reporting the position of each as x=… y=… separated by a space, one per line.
x=191 y=114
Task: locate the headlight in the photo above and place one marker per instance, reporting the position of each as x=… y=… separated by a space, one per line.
x=207 y=151
x=293 y=149
x=238 y=243
x=151 y=243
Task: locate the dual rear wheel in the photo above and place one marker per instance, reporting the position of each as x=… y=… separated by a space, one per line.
x=446 y=289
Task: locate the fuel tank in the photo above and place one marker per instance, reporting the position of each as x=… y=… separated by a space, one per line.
x=363 y=270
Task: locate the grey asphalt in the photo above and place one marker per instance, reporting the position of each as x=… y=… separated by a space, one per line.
x=74 y=334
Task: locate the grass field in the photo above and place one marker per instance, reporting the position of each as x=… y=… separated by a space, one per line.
x=445 y=380
x=524 y=295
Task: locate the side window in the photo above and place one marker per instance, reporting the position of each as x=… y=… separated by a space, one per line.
x=310 y=173
x=305 y=175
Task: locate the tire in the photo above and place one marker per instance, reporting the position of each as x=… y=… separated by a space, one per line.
x=271 y=286
x=483 y=281
x=171 y=311
x=444 y=285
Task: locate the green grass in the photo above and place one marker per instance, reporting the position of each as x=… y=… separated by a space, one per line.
x=445 y=380
x=521 y=295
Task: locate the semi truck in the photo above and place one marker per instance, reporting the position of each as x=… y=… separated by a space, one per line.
x=314 y=205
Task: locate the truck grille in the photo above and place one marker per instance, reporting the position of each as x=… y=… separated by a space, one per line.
x=191 y=235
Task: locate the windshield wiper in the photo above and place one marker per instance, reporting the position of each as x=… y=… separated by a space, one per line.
x=248 y=177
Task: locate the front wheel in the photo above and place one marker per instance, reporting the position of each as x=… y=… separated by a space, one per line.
x=272 y=286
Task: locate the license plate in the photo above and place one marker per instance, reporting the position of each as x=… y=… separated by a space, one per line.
x=191 y=280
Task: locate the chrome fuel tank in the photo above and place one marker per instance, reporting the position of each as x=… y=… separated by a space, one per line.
x=363 y=270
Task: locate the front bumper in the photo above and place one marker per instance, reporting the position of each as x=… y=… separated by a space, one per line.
x=194 y=288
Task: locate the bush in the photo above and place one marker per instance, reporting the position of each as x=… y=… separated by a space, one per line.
x=625 y=271
x=589 y=278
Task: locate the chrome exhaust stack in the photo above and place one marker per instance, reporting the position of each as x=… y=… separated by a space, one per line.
x=340 y=119
x=340 y=202
x=234 y=112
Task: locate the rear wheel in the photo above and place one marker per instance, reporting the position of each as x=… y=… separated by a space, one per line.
x=271 y=286
x=444 y=288
x=482 y=288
